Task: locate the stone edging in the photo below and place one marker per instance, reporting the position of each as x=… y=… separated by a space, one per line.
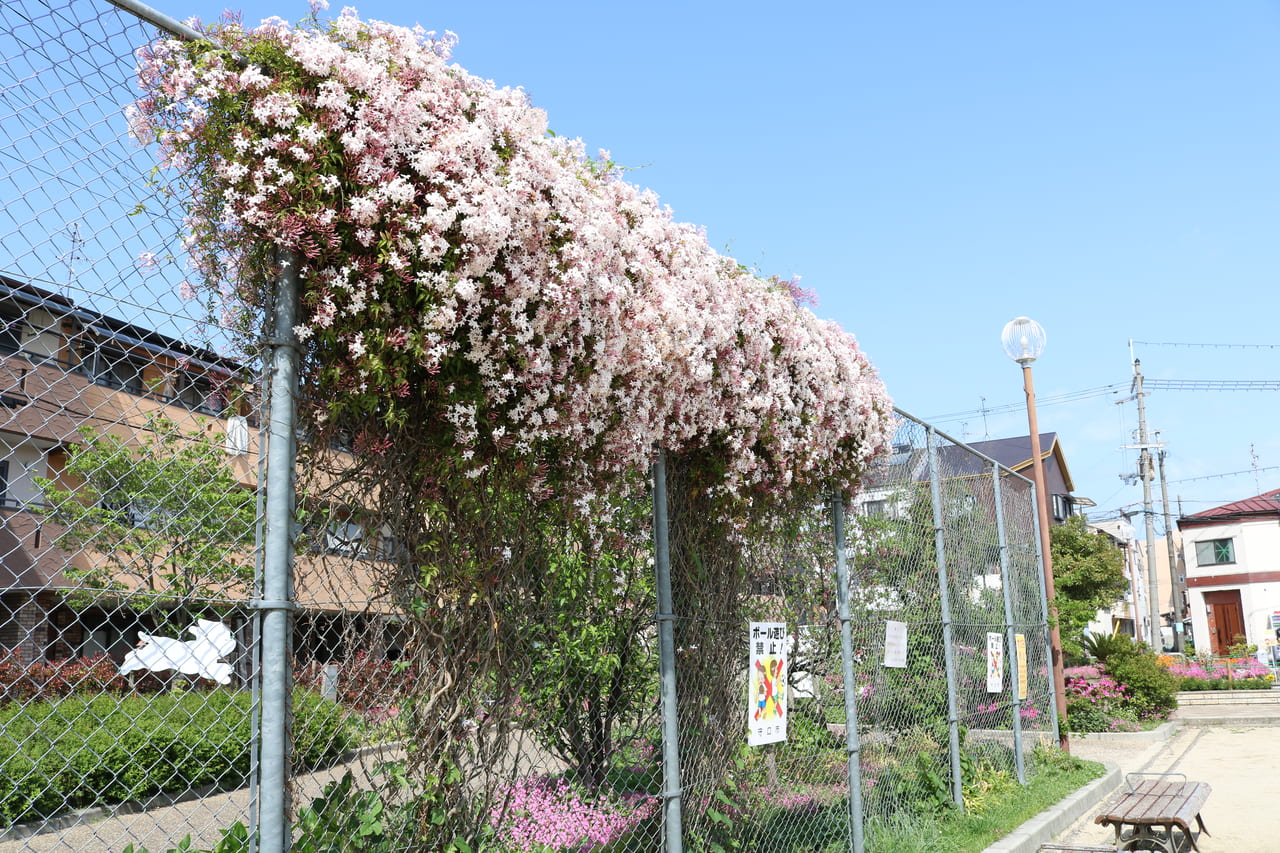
x=1164 y=731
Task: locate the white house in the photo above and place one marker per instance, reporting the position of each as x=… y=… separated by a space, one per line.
x=1233 y=573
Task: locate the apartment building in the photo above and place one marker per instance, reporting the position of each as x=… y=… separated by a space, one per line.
x=68 y=374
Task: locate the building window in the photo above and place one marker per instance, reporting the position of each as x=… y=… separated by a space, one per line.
x=1215 y=552
x=345 y=538
x=113 y=368
x=197 y=392
x=4 y=484
x=1061 y=507
x=133 y=512
x=11 y=329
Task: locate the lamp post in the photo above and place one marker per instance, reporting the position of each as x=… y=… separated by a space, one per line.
x=1023 y=340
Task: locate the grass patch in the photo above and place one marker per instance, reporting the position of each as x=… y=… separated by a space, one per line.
x=1001 y=808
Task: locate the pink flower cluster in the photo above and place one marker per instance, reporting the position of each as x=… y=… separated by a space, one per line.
x=1103 y=691
x=454 y=247
x=1249 y=668
x=805 y=799
x=540 y=813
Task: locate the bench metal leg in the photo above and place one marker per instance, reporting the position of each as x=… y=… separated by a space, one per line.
x=1148 y=838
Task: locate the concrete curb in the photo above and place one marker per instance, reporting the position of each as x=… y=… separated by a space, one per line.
x=1058 y=817
x=1238 y=720
x=1164 y=731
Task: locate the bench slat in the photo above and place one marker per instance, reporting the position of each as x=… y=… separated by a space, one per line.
x=1158 y=803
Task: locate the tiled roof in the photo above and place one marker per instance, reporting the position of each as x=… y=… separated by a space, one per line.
x=1267 y=503
x=1014 y=452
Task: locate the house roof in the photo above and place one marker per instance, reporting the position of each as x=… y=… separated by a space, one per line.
x=22 y=564
x=908 y=462
x=1265 y=505
x=1015 y=453
x=110 y=327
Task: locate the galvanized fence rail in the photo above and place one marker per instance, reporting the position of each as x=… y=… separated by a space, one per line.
x=197 y=647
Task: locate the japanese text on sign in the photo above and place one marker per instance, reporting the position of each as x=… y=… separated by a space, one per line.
x=767 y=699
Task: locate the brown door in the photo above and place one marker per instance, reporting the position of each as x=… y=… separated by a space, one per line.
x=1226 y=618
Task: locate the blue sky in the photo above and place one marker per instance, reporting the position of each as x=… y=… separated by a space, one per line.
x=933 y=170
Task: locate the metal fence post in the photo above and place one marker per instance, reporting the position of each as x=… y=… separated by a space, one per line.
x=1014 y=673
x=671 y=790
x=274 y=827
x=854 y=762
x=944 y=594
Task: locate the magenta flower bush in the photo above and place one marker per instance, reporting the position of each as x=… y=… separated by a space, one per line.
x=1096 y=702
x=453 y=247
x=543 y=815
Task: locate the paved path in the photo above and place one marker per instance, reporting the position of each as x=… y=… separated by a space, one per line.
x=1224 y=746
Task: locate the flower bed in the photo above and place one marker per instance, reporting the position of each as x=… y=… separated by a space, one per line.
x=1126 y=695
x=541 y=813
x=1223 y=674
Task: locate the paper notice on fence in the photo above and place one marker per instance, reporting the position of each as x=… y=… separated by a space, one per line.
x=995 y=663
x=1020 y=642
x=895 y=644
x=767 y=703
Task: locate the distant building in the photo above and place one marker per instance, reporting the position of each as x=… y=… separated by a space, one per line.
x=63 y=367
x=1126 y=615
x=882 y=492
x=1232 y=556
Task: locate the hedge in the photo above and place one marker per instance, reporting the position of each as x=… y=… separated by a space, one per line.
x=80 y=751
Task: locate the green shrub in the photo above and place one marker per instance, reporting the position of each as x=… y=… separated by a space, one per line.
x=1103 y=646
x=320 y=730
x=1152 y=688
x=81 y=751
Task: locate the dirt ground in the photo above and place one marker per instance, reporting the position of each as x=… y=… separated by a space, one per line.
x=1240 y=762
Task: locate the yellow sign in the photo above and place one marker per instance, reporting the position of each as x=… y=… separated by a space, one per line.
x=1020 y=643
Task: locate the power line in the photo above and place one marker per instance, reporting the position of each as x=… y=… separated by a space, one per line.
x=1041 y=402
x=1207 y=346
x=1102 y=391
x=1214 y=384
x=1229 y=474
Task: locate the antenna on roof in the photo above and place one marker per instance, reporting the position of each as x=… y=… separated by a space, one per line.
x=1253 y=453
x=986 y=433
x=70 y=258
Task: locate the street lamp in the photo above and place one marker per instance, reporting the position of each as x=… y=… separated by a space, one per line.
x=1023 y=340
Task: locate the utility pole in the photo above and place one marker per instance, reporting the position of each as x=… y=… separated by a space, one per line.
x=1177 y=593
x=1145 y=472
x=1129 y=552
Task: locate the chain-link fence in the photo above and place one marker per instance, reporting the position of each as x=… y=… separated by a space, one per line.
x=947 y=649
x=364 y=661
x=946 y=554
x=128 y=429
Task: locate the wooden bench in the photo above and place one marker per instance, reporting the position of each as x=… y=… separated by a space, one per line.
x=1163 y=801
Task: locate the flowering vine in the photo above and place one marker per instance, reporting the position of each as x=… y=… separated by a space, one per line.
x=455 y=250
